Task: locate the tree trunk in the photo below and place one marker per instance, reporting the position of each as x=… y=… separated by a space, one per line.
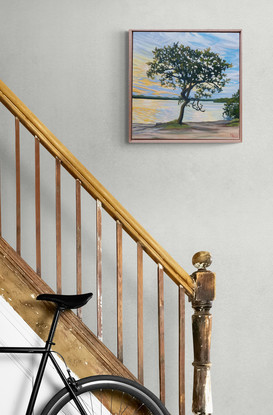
x=182 y=110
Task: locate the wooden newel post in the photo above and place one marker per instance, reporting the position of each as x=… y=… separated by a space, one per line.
x=204 y=294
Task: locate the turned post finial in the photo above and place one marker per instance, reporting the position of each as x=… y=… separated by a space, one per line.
x=204 y=294
x=202 y=260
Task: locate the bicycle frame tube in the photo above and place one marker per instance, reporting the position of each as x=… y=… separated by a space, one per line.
x=45 y=351
x=68 y=387
x=12 y=350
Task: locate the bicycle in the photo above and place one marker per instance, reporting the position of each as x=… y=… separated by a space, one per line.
x=93 y=395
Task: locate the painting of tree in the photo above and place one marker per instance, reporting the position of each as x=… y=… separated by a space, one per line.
x=201 y=71
x=184 y=86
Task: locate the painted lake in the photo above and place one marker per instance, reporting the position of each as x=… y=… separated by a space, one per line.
x=152 y=111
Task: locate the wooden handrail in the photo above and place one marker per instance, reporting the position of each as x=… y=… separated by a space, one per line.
x=95 y=189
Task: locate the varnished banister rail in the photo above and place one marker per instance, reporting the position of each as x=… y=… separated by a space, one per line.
x=92 y=185
x=200 y=286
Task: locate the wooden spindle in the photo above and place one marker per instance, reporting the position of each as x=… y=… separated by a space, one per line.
x=201 y=328
x=181 y=317
x=78 y=243
x=18 y=186
x=119 y=292
x=99 y=269
x=160 y=275
x=0 y=203
x=37 y=206
x=58 y=228
x=140 y=312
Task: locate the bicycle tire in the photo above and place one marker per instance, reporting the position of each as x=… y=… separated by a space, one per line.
x=134 y=398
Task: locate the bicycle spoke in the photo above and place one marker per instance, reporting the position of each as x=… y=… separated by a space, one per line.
x=121 y=403
x=91 y=394
x=75 y=408
x=136 y=411
x=85 y=405
x=89 y=407
x=124 y=409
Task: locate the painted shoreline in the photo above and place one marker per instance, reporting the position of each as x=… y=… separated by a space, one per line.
x=161 y=98
x=206 y=130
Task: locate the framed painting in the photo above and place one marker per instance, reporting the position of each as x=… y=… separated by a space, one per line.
x=185 y=86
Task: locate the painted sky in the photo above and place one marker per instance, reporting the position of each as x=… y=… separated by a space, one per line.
x=226 y=44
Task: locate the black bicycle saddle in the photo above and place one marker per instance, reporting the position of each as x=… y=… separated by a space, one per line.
x=66 y=302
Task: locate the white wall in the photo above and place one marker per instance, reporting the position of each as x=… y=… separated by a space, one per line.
x=67 y=60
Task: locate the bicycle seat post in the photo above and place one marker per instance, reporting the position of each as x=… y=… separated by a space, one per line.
x=43 y=362
x=53 y=327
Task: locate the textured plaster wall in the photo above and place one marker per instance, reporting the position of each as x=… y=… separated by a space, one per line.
x=67 y=60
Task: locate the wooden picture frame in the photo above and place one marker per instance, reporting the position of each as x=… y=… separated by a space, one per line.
x=185 y=86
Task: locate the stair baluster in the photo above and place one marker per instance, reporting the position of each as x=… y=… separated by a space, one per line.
x=18 y=186
x=58 y=227
x=140 y=357
x=161 y=334
x=181 y=348
x=0 y=202
x=99 y=268
x=78 y=243
x=119 y=292
x=37 y=206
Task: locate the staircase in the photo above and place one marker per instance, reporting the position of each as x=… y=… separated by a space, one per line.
x=83 y=348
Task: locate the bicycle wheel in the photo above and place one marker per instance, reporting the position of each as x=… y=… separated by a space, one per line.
x=105 y=395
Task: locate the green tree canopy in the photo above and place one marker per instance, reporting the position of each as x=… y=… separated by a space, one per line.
x=232 y=106
x=191 y=70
